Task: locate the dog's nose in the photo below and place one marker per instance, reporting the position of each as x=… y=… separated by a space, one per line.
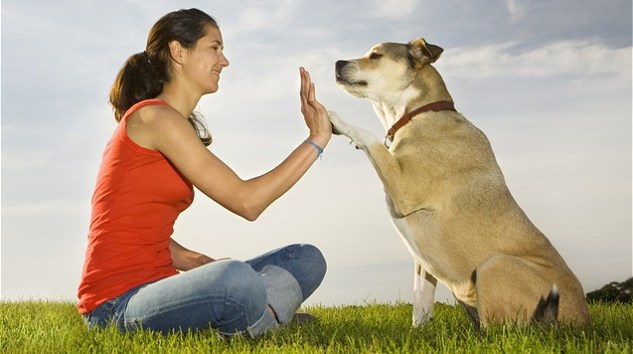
x=341 y=64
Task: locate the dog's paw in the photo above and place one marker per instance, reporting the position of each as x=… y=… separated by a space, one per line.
x=420 y=319
x=337 y=123
x=358 y=136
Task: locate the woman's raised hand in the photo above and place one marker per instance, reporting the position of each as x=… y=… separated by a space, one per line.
x=314 y=113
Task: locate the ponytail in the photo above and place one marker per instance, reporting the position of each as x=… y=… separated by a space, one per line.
x=136 y=81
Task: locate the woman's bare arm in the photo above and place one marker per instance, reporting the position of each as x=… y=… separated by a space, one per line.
x=185 y=259
x=171 y=134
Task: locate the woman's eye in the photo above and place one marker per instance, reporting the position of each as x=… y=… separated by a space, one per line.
x=375 y=56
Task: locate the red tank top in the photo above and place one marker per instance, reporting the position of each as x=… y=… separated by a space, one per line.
x=137 y=198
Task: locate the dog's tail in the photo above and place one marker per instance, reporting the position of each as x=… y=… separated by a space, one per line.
x=546 y=312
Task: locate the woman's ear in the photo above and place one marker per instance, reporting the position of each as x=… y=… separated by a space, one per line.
x=176 y=51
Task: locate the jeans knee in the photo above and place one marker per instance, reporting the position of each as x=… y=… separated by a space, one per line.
x=311 y=268
x=314 y=258
x=245 y=286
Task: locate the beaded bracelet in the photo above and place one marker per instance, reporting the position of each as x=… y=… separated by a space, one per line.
x=317 y=147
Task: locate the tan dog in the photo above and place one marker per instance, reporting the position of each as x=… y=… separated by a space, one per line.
x=449 y=200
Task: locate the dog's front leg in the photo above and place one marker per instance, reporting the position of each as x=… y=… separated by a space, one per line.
x=386 y=165
x=359 y=136
x=423 y=295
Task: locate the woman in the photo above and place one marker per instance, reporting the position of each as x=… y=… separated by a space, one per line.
x=156 y=155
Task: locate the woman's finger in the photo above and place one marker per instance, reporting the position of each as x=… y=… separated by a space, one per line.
x=312 y=94
x=304 y=88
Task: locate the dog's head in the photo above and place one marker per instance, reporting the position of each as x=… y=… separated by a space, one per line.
x=388 y=68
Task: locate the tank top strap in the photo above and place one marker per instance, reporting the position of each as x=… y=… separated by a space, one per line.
x=141 y=104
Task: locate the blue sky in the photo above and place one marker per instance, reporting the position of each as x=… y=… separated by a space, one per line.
x=549 y=82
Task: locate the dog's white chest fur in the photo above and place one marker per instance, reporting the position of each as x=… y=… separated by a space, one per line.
x=408 y=237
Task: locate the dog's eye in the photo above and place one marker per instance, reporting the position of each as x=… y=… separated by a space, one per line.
x=375 y=56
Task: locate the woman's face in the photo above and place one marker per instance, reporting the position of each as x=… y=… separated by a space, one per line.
x=204 y=62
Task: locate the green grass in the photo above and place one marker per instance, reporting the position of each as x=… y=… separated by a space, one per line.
x=55 y=327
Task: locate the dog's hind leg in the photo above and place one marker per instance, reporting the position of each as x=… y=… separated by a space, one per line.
x=423 y=295
x=472 y=314
x=471 y=311
x=546 y=312
x=509 y=289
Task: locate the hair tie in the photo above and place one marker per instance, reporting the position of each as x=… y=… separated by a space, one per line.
x=147 y=57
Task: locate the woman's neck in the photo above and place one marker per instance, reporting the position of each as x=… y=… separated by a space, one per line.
x=179 y=99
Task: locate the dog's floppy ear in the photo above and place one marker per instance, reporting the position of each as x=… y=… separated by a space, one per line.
x=424 y=52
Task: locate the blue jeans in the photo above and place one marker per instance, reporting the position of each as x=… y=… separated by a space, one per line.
x=229 y=296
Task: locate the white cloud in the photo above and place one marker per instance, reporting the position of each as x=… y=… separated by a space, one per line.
x=579 y=58
x=394 y=9
x=516 y=8
x=271 y=14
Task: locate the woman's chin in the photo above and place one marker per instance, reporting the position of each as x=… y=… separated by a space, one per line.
x=212 y=90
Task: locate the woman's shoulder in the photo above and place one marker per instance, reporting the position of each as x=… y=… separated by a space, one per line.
x=150 y=122
x=155 y=115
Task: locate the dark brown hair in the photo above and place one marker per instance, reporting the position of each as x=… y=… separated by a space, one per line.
x=143 y=74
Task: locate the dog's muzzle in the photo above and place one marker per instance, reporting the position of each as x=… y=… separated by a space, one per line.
x=340 y=65
x=344 y=71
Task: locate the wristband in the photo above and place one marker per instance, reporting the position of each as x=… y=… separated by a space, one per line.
x=317 y=147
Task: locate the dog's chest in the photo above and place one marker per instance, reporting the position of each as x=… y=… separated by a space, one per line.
x=413 y=240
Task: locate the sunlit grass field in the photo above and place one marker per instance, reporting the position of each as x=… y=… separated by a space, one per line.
x=55 y=327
